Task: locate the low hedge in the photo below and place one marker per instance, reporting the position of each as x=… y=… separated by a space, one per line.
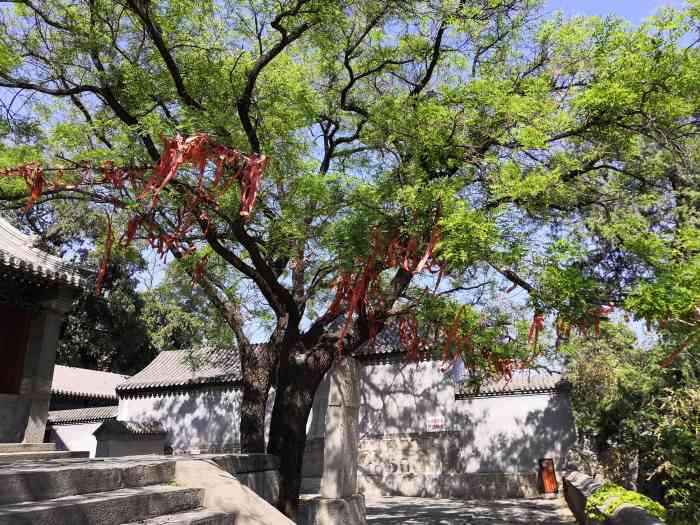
x=604 y=501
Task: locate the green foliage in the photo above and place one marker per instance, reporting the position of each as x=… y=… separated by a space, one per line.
x=179 y=317
x=108 y=333
x=677 y=431
x=608 y=498
x=628 y=406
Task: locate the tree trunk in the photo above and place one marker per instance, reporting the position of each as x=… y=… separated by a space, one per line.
x=258 y=364
x=297 y=383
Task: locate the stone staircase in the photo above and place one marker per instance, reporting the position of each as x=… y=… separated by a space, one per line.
x=109 y=491
x=11 y=452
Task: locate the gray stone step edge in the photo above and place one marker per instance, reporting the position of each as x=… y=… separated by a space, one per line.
x=26 y=447
x=195 y=517
x=47 y=482
x=104 y=508
x=9 y=457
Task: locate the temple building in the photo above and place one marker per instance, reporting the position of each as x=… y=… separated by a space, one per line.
x=36 y=292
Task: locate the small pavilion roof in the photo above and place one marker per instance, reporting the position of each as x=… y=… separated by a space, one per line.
x=18 y=256
x=81 y=382
x=184 y=369
x=82 y=415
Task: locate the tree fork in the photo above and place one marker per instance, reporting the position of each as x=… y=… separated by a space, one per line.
x=299 y=377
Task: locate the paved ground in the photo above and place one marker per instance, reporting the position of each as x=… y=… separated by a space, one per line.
x=424 y=511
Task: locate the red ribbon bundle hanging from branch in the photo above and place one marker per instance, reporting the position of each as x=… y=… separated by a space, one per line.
x=106 y=257
x=535 y=328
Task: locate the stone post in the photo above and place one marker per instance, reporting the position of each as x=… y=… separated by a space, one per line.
x=339 y=478
x=339 y=502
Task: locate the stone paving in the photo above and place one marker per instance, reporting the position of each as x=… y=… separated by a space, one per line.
x=429 y=511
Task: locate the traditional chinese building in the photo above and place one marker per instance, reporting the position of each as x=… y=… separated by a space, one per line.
x=36 y=292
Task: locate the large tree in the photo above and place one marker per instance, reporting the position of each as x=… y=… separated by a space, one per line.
x=468 y=138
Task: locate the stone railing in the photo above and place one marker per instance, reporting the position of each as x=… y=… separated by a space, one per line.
x=259 y=472
x=578 y=487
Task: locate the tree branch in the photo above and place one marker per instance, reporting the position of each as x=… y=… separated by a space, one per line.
x=141 y=8
x=246 y=99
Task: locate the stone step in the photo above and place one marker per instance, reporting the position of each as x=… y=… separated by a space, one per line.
x=6 y=448
x=194 y=517
x=41 y=480
x=55 y=454
x=104 y=508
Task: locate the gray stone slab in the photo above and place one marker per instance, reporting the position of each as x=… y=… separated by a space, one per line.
x=11 y=457
x=332 y=511
x=103 y=508
x=340 y=455
x=195 y=517
x=37 y=480
x=242 y=463
x=7 y=448
x=265 y=484
x=628 y=514
x=433 y=511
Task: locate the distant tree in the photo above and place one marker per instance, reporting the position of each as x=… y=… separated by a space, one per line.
x=179 y=316
x=628 y=405
x=108 y=333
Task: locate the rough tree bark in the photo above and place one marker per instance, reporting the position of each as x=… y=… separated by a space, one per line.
x=299 y=376
x=258 y=366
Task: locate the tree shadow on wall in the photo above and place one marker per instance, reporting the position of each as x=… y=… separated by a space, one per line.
x=206 y=419
x=401 y=454
x=410 y=428
x=543 y=433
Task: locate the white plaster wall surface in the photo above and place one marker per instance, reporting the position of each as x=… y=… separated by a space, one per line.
x=134 y=447
x=410 y=421
x=204 y=420
x=77 y=437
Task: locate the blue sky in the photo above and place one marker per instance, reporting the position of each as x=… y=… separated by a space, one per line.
x=633 y=10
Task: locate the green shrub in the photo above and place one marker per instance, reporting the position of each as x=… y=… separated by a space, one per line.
x=608 y=498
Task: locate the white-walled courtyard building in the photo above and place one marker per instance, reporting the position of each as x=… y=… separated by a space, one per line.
x=422 y=432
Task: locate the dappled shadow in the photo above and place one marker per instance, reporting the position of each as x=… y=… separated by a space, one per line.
x=417 y=439
x=546 y=430
x=416 y=511
x=200 y=419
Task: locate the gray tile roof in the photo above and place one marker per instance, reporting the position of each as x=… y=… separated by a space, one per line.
x=116 y=427
x=82 y=415
x=18 y=254
x=523 y=382
x=386 y=342
x=387 y=347
x=186 y=368
x=81 y=382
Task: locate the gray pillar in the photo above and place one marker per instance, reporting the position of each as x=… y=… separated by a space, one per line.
x=339 y=478
x=44 y=331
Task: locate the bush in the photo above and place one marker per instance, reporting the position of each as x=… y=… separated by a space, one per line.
x=608 y=498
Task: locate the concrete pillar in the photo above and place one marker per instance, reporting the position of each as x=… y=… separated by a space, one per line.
x=36 y=383
x=44 y=331
x=339 y=502
x=339 y=478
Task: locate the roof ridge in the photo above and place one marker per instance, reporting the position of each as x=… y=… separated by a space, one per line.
x=93 y=370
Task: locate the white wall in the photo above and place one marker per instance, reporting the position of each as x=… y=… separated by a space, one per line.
x=409 y=414
x=204 y=420
x=77 y=437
